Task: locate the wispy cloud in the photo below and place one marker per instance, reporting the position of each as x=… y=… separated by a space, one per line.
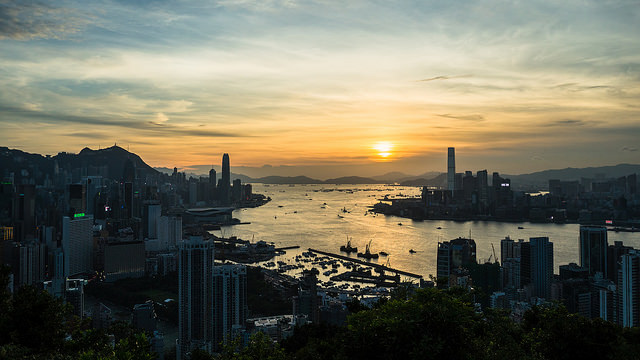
x=28 y=20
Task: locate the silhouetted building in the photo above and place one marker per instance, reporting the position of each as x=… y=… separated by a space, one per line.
x=614 y=252
x=451 y=169
x=230 y=301
x=593 y=249
x=144 y=317
x=628 y=290
x=224 y=188
x=196 y=322
x=541 y=266
x=454 y=254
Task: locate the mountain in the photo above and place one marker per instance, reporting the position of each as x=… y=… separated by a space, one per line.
x=438 y=181
x=353 y=180
x=541 y=179
x=285 y=180
x=109 y=162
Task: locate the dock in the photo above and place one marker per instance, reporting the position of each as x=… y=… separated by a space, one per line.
x=287 y=248
x=376 y=266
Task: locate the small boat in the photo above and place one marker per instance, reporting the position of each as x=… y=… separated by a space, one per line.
x=383 y=253
x=348 y=248
x=340 y=216
x=439 y=228
x=411 y=251
x=520 y=228
x=400 y=224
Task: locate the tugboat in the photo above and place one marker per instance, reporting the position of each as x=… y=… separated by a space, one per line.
x=367 y=254
x=348 y=248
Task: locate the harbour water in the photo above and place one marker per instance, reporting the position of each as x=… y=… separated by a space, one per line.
x=323 y=216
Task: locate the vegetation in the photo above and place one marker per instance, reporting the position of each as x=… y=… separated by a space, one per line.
x=36 y=325
x=263 y=299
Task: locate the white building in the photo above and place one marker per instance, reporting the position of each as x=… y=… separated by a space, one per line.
x=77 y=244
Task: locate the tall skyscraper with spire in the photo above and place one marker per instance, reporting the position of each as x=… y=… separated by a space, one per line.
x=451 y=169
x=225 y=181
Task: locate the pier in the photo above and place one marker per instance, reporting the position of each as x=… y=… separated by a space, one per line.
x=376 y=266
x=287 y=248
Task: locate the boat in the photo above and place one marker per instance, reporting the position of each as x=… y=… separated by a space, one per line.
x=340 y=216
x=520 y=228
x=383 y=253
x=439 y=228
x=400 y=224
x=411 y=251
x=348 y=248
x=367 y=254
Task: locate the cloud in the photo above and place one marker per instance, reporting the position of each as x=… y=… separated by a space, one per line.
x=20 y=20
x=473 y=117
x=446 y=77
x=15 y=113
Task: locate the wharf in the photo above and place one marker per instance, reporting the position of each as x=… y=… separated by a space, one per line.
x=287 y=248
x=357 y=261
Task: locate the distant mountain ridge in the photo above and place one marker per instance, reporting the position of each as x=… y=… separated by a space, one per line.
x=112 y=160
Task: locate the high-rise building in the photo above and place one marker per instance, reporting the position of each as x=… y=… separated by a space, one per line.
x=541 y=266
x=152 y=212
x=225 y=183
x=451 y=169
x=593 y=249
x=77 y=244
x=628 y=290
x=230 y=301
x=195 y=297
x=212 y=177
x=454 y=254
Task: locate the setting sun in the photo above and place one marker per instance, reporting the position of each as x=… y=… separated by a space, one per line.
x=384 y=149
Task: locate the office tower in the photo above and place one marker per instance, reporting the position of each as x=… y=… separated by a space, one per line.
x=77 y=244
x=454 y=254
x=230 y=301
x=24 y=213
x=195 y=297
x=451 y=169
x=124 y=259
x=225 y=184
x=77 y=198
x=152 y=212
x=212 y=177
x=628 y=290
x=29 y=263
x=593 y=249
x=127 y=200
x=237 y=190
x=483 y=191
x=541 y=266
x=511 y=273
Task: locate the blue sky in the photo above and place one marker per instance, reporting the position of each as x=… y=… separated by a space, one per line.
x=515 y=86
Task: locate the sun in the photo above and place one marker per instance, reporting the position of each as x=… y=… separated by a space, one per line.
x=384 y=149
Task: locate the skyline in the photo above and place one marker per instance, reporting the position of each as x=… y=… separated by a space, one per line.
x=359 y=88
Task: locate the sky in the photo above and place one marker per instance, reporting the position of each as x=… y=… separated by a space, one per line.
x=326 y=88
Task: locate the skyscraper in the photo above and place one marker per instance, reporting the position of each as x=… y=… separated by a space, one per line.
x=628 y=290
x=451 y=169
x=593 y=249
x=230 y=301
x=77 y=244
x=541 y=266
x=454 y=254
x=195 y=297
x=225 y=184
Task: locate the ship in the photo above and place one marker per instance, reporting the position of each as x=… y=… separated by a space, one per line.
x=348 y=248
x=367 y=254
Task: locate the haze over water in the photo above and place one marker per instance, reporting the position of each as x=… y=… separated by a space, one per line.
x=295 y=217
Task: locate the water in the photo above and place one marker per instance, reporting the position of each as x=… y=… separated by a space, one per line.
x=296 y=216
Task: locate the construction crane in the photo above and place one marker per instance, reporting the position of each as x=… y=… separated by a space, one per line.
x=495 y=258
